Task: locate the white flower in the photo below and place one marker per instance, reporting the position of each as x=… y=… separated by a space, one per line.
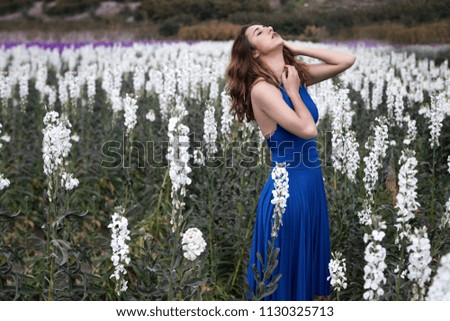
x=448 y=163
x=138 y=79
x=130 y=108
x=90 y=82
x=193 y=243
x=150 y=115
x=4 y=182
x=366 y=238
x=227 y=117
x=412 y=130
x=378 y=235
x=63 y=94
x=377 y=146
x=280 y=194
x=72 y=81
x=56 y=142
x=50 y=92
x=445 y=220
x=436 y=114
x=0 y=133
x=440 y=287
x=124 y=286
x=213 y=90
x=117 y=102
x=344 y=155
x=365 y=215
x=198 y=156
x=75 y=138
x=155 y=82
x=68 y=181
x=5 y=87
x=178 y=157
x=419 y=259
x=398 y=108
x=337 y=268
x=120 y=250
x=23 y=82
x=406 y=196
x=210 y=129
x=375 y=255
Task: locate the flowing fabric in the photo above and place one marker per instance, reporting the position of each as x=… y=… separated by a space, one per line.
x=304 y=237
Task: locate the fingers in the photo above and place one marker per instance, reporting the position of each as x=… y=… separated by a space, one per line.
x=293 y=70
x=288 y=69
x=290 y=78
x=285 y=72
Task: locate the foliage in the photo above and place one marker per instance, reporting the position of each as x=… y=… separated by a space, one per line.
x=171 y=26
x=221 y=202
x=67 y=7
x=212 y=30
x=201 y=9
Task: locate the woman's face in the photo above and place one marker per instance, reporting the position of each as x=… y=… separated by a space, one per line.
x=263 y=38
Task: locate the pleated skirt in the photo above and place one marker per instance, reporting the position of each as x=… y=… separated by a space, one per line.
x=303 y=238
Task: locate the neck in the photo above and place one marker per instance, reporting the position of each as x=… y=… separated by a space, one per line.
x=275 y=61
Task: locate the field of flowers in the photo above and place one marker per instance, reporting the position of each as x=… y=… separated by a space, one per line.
x=123 y=175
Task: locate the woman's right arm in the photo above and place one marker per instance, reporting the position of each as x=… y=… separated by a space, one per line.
x=268 y=98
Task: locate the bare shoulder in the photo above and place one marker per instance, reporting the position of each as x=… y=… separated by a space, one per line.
x=267 y=98
x=262 y=89
x=264 y=95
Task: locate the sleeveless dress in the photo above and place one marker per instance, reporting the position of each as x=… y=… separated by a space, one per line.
x=304 y=236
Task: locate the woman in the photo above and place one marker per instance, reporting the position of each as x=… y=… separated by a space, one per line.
x=268 y=85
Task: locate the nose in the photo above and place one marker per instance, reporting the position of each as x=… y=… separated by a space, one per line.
x=270 y=29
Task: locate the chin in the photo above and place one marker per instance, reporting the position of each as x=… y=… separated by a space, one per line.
x=280 y=43
x=279 y=40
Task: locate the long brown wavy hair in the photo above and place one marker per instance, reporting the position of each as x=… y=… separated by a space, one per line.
x=243 y=70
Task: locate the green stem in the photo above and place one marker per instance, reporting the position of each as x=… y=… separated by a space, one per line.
x=240 y=213
x=169 y=292
x=398 y=281
x=49 y=233
x=432 y=190
x=127 y=176
x=335 y=180
x=397 y=287
x=172 y=262
x=161 y=190
x=238 y=264
x=438 y=240
x=211 y=252
x=271 y=261
x=50 y=238
x=176 y=238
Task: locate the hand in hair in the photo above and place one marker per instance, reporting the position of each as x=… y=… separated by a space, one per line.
x=290 y=47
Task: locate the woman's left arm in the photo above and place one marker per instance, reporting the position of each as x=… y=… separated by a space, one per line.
x=335 y=62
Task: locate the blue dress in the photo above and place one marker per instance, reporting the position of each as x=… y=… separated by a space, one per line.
x=304 y=237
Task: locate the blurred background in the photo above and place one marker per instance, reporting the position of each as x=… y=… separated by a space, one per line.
x=388 y=21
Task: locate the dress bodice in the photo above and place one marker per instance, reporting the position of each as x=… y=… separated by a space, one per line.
x=286 y=147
